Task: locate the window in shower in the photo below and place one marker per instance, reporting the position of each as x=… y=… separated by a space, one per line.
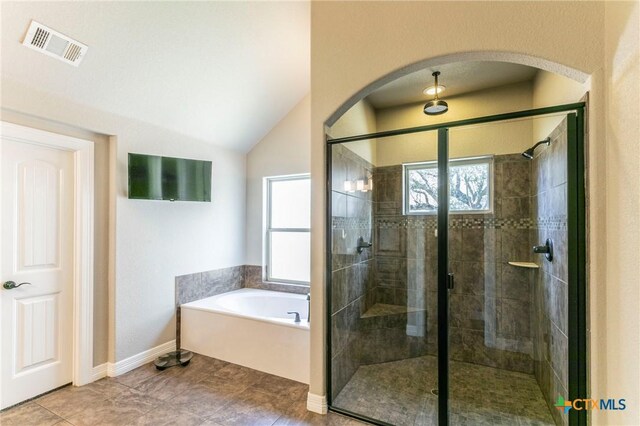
x=288 y=218
x=470 y=186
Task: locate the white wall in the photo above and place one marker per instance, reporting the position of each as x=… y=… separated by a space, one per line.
x=154 y=240
x=283 y=151
x=564 y=37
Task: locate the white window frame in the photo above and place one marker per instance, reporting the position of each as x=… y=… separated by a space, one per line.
x=268 y=182
x=407 y=167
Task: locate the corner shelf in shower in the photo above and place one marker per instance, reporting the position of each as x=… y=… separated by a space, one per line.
x=383 y=309
x=529 y=265
x=382 y=315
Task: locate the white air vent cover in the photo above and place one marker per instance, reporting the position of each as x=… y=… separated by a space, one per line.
x=52 y=43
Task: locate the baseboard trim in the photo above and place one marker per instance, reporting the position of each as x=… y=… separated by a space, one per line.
x=137 y=360
x=317 y=403
x=99 y=371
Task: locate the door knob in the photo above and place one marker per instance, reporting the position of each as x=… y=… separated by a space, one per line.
x=9 y=285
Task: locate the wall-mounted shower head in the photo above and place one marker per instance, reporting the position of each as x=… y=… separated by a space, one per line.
x=528 y=154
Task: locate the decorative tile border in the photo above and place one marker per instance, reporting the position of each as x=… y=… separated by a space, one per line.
x=465 y=223
x=350 y=223
x=404 y=222
x=551 y=223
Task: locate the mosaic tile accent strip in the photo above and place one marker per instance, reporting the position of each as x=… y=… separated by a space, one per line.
x=465 y=223
x=551 y=223
x=350 y=223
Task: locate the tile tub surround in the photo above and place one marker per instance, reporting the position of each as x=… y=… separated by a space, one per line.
x=352 y=272
x=207 y=392
x=253 y=279
x=490 y=318
x=550 y=296
x=200 y=285
x=210 y=283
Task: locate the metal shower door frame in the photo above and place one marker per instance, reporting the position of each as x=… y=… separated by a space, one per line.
x=577 y=249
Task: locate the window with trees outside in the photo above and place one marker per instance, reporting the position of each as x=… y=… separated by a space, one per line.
x=288 y=222
x=470 y=186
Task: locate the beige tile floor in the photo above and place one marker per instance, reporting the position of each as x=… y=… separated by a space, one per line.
x=208 y=392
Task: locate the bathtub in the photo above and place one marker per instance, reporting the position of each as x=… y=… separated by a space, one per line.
x=250 y=327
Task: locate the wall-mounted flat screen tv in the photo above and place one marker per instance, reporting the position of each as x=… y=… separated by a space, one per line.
x=165 y=178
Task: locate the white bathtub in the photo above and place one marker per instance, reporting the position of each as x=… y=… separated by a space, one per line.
x=252 y=328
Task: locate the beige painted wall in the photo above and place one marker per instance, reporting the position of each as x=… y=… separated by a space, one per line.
x=552 y=89
x=154 y=241
x=355 y=44
x=497 y=139
x=615 y=321
x=101 y=270
x=283 y=151
x=359 y=120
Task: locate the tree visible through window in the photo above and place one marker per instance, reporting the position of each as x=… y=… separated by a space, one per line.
x=469 y=186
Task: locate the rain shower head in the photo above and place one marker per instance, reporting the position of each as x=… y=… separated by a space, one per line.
x=528 y=154
x=436 y=106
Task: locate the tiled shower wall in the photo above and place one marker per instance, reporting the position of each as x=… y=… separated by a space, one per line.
x=550 y=295
x=490 y=318
x=405 y=272
x=352 y=272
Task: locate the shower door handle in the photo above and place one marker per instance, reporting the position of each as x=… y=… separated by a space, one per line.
x=450 y=282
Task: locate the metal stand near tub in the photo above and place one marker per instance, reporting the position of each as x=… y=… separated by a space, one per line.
x=171 y=359
x=178 y=357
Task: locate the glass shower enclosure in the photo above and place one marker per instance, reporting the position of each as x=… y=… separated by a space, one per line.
x=440 y=311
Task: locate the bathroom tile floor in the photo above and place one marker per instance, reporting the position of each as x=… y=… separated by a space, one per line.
x=208 y=392
x=399 y=393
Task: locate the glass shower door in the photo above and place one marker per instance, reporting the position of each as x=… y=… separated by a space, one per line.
x=383 y=290
x=457 y=282
x=508 y=355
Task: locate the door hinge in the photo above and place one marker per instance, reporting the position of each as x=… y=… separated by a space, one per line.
x=450 y=281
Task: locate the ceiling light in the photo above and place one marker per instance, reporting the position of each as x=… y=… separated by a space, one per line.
x=431 y=90
x=436 y=106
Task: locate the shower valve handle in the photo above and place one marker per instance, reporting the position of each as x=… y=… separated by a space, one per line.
x=362 y=244
x=546 y=249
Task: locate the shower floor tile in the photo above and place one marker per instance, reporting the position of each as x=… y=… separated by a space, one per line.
x=400 y=393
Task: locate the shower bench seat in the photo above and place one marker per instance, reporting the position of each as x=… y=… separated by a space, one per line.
x=392 y=332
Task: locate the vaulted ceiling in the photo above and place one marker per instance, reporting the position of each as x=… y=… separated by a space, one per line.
x=222 y=72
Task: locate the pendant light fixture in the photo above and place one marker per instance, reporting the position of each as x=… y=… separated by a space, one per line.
x=436 y=106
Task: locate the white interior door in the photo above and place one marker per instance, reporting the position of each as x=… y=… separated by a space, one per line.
x=36 y=319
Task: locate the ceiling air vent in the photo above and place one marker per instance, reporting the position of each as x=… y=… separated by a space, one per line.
x=54 y=44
